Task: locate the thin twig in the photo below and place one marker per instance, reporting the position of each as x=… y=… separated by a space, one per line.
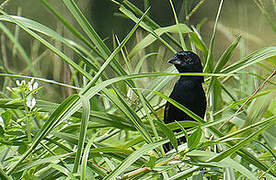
x=249 y=98
x=139 y=171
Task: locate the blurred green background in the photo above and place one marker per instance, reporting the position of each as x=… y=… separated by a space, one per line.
x=243 y=18
x=239 y=17
x=119 y=118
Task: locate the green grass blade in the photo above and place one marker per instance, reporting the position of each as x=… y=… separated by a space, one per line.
x=149 y=39
x=179 y=30
x=168 y=133
x=209 y=62
x=110 y=58
x=71 y=28
x=251 y=59
x=62 y=112
x=240 y=144
x=85 y=159
x=226 y=55
x=48 y=45
x=130 y=113
x=132 y=158
x=19 y=48
x=86 y=27
x=150 y=22
x=147 y=28
x=83 y=130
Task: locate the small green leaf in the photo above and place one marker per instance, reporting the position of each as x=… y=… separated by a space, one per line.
x=168 y=133
x=194 y=138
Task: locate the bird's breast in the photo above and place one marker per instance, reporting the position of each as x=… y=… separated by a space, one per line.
x=191 y=95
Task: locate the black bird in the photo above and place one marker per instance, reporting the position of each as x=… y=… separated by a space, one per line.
x=187 y=91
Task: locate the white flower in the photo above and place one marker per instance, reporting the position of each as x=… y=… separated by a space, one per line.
x=32 y=80
x=1 y=121
x=18 y=83
x=30 y=86
x=35 y=86
x=31 y=102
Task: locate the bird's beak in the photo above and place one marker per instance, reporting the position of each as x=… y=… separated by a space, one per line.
x=174 y=60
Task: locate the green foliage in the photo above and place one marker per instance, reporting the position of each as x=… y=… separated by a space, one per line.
x=109 y=123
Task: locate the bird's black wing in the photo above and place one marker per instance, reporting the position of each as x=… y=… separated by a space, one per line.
x=190 y=94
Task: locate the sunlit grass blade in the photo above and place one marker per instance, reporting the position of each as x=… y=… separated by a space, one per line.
x=141 y=61
x=130 y=113
x=33 y=25
x=251 y=59
x=71 y=28
x=150 y=22
x=112 y=55
x=85 y=159
x=226 y=55
x=150 y=30
x=248 y=128
x=40 y=161
x=4 y=176
x=199 y=44
x=48 y=45
x=38 y=79
x=83 y=130
x=168 y=133
x=209 y=62
x=86 y=27
x=240 y=144
x=194 y=138
x=223 y=60
x=227 y=162
x=63 y=170
x=94 y=37
x=179 y=30
x=149 y=39
x=132 y=158
x=62 y=112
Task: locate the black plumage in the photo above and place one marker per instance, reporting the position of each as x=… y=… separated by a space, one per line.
x=187 y=91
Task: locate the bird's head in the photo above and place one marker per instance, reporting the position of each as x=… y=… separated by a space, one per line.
x=186 y=61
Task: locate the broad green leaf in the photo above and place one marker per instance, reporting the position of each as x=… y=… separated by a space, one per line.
x=132 y=158
x=168 y=133
x=194 y=139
